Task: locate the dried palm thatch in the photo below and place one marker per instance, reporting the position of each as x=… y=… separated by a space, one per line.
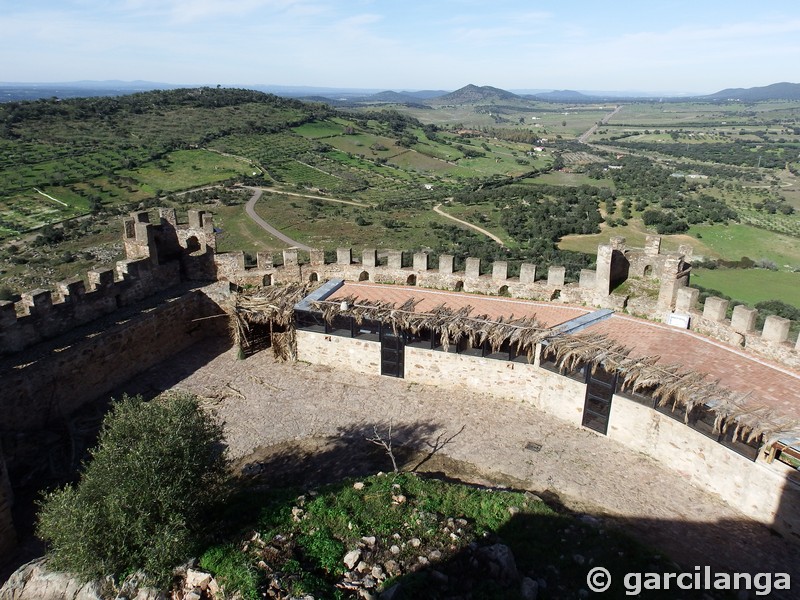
x=450 y=325
x=270 y=307
x=675 y=386
x=672 y=385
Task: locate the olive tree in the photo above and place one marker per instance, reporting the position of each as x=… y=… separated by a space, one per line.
x=158 y=469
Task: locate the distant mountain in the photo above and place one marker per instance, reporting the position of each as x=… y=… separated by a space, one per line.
x=395 y=98
x=470 y=94
x=426 y=94
x=776 y=91
x=563 y=96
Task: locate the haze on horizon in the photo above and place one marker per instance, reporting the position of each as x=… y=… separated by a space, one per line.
x=668 y=47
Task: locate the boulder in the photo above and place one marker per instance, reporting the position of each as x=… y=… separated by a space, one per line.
x=500 y=564
x=34 y=581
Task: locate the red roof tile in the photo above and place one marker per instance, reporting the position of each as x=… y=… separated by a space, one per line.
x=767 y=382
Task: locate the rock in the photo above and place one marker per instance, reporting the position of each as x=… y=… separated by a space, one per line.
x=529 y=589
x=369 y=582
x=500 y=563
x=366 y=595
x=415 y=542
x=590 y=520
x=358 y=485
x=296 y=513
x=513 y=510
x=351 y=558
x=439 y=578
x=33 y=581
x=362 y=567
x=369 y=540
x=391 y=567
x=423 y=561
x=435 y=555
x=197 y=579
x=150 y=594
x=395 y=549
x=194 y=595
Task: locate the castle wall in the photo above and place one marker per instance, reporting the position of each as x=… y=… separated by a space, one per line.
x=760 y=490
x=552 y=393
x=757 y=489
x=771 y=342
x=57 y=382
x=360 y=356
x=8 y=535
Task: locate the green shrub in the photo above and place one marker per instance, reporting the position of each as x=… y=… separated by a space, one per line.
x=158 y=468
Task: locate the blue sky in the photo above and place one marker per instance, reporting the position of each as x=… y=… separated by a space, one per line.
x=669 y=46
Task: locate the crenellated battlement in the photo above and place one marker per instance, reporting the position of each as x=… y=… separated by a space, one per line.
x=740 y=330
x=158 y=256
x=165 y=253
x=615 y=264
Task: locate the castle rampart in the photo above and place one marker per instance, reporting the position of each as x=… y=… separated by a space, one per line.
x=65 y=347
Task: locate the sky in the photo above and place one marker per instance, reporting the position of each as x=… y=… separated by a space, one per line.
x=698 y=46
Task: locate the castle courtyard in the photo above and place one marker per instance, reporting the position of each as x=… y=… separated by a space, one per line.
x=283 y=414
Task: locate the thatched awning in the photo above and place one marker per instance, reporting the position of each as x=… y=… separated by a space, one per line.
x=671 y=384
x=272 y=307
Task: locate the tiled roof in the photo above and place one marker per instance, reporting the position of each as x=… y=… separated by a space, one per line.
x=494 y=307
x=767 y=383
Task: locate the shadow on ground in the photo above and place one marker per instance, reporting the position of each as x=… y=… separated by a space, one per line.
x=550 y=552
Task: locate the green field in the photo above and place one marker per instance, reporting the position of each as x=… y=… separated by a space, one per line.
x=187 y=169
x=751 y=285
x=732 y=242
x=321 y=224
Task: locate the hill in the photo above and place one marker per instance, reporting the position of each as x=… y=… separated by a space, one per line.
x=776 y=91
x=470 y=94
x=395 y=98
x=563 y=96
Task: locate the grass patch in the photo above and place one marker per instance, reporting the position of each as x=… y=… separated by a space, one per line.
x=731 y=242
x=240 y=233
x=186 y=169
x=406 y=527
x=321 y=224
x=751 y=285
x=635 y=234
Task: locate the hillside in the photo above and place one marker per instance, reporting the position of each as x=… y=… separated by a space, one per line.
x=776 y=91
x=472 y=93
x=563 y=96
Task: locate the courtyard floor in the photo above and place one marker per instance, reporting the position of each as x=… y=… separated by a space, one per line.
x=285 y=416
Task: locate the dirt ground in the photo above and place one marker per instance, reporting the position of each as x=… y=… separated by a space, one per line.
x=308 y=424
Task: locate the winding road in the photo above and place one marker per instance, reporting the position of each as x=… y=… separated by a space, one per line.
x=250 y=209
x=439 y=211
x=251 y=212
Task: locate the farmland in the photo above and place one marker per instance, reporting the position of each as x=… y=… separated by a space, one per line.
x=720 y=177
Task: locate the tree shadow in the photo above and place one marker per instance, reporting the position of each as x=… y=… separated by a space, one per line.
x=553 y=548
x=350 y=453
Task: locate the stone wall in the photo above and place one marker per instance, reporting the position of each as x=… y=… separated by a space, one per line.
x=357 y=355
x=771 y=342
x=761 y=491
x=764 y=492
x=593 y=287
x=8 y=535
x=159 y=257
x=53 y=380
